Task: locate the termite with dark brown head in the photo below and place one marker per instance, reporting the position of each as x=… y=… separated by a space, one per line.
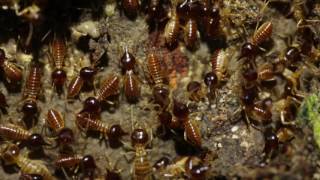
x=158 y=80
x=131 y=8
x=85 y=123
x=11 y=155
x=63 y=135
x=16 y=133
x=250 y=49
x=12 y=72
x=31 y=93
x=219 y=63
x=191 y=130
x=58 y=52
x=266 y=76
x=84 y=79
x=157 y=14
x=131 y=84
x=211 y=81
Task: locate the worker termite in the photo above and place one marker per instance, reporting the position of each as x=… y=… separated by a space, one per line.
x=86 y=123
x=266 y=76
x=250 y=49
x=219 y=62
x=191 y=34
x=58 y=54
x=158 y=80
x=32 y=91
x=131 y=8
x=191 y=130
x=12 y=72
x=262 y=34
x=17 y=133
x=11 y=155
x=55 y=122
x=108 y=88
x=84 y=79
x=172 y=28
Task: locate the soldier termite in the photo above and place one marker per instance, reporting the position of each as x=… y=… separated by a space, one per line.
x=191 y=130
x=12 y=72
x=11 y=155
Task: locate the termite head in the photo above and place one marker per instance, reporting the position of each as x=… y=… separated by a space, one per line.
x=2 y=56
x=116 y=132
x=199 y=171
x=30 y=108
x=87 y=73
x=59 y=77
x=139 y=137
x=248 y=50
x=127 y=61
x=293 y=54
x=11 y=153
x=271 y=141
x=248 y=95
x=180 y=110
x=88 y=165
x=65 y=136
x=36 y=141
x=92 y=105
x=189 y=9
x=211 y=80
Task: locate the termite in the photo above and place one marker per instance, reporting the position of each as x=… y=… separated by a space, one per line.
x=131 y=84
x=266 y=76
x=262 y=34
x=30 y=177
x=172 y=29
x=191 y=33
x=142 y=167
x=219 y=62
x=32 y=90
x=157 y=74
x=131 y=8
x=108 y=88
x=58 y=52
x=16 y=133
x=211 y=20
x=191 y=130
x=86 y=123
x=12 y=72
x=55 y=120
x=12 y=155
x=85 y=78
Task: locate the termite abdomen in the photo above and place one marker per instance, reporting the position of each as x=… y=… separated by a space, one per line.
x=131 y=87
x=109 y=87
x=262 y=34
